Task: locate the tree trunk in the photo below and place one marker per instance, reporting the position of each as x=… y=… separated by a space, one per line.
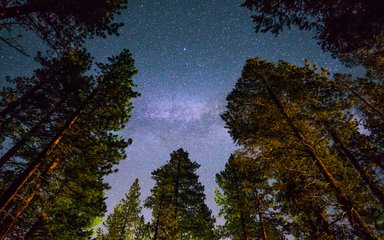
x=11 y=107
x=356 y=221
x=320 y=215
x=379 y=194
x=11 y=219
x=11 y=152
x=157 y=223
x=262 y=226
x=30 y=235
x=33 y=166
x=380 y=113
x=243 y=226
x=123 y=229
x=176 y=191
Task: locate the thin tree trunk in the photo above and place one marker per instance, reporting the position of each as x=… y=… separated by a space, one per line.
x=36 y=226
x=33 y=166
x=11 y=152
x=379 y=194
x=12 y=218
x=157 y=223
x=177 y=195
x=19 y=182
x=39 y=223
x=123 y=231
x=262 y=226
x=320 y=215
x=355 y=219
x=362 y=99
x=11 y=107
x=156 y=228
x=243 y=226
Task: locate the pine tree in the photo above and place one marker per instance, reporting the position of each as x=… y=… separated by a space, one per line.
x=286 y=111
x=351 y=30
x=177 y=201
x=126 y=222
x=246 y=200
x=61 y=24
x=77 y=147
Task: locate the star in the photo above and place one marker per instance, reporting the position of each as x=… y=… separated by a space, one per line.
x=183 y=95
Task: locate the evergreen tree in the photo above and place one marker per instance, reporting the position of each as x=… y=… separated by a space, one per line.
x=289 y=113
x=177 y=201
x=164 y=219
x=300 y=196
x=61 y=24
x=126 y=221
x=350 y=30
x=368 y=95
x=60 y=168
x=246 y=200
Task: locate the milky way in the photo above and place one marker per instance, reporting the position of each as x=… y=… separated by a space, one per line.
x=189 y=55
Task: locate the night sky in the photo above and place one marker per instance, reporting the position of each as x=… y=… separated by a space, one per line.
x=189 y=55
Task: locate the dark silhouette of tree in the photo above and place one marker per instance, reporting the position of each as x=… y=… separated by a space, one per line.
x=177 y=201
x=287 y=110
x=61 y=24
x=126 y=221
x=351 y=30
x=74 y=149
x=246 y=201
x=164 y=220
x=60 y=80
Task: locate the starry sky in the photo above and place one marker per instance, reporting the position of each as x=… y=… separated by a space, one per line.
x=189 y=55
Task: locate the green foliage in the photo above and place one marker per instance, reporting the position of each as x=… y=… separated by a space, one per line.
x=298 y=119
x=177 y=201
x=246 y=200
x=67 y=193
x=62 y=24
x=351 y=30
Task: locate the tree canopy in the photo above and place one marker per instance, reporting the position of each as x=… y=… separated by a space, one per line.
x=310 y=162
x=351 y=30
x=63 y=144
x=244 y=196
x=61 y=24
x=283 y=112
x=126 y=221
x=177 y=201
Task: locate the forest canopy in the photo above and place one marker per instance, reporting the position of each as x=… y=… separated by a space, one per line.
x=310 y=143
x=60 y=24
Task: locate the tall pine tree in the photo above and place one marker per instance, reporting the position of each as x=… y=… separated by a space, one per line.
x=177 y=201
x=246 y=200
x=61 y=24
x=62 y=163
x=291 y=112
x=126 y=221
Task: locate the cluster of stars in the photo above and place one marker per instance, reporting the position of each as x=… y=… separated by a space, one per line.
x=189 y=55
